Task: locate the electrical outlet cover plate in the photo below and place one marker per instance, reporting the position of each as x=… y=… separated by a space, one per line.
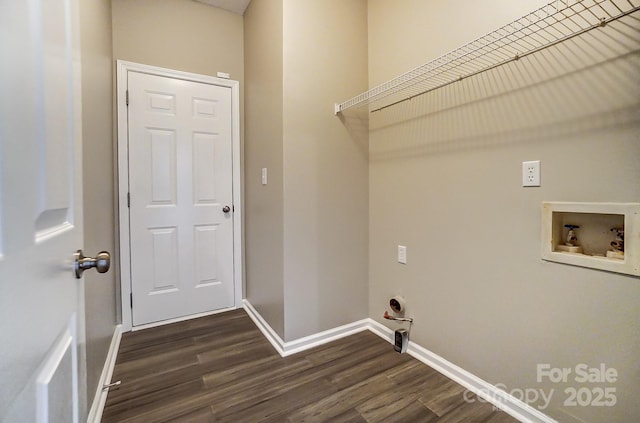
x=531 y=173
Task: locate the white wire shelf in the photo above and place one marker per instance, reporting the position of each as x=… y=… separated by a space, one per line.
x=550 y=25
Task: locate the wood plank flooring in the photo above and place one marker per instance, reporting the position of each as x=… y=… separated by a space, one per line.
x=221 y=369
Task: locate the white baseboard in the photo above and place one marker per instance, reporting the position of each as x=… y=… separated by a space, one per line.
x=287 y=348
x=499 y=398
x=97 y=407
x=268 y=332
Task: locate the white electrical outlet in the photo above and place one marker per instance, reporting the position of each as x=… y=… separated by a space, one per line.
x=402 y=254
x=264 y=176
x=531 y=174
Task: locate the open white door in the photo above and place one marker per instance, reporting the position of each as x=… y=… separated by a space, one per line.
x=42 y=368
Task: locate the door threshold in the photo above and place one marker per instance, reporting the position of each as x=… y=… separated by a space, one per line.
x=180 y=319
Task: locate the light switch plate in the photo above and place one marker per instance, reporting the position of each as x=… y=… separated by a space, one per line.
x=402 y=254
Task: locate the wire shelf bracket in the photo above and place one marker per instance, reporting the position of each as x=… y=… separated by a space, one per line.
x=547 y=26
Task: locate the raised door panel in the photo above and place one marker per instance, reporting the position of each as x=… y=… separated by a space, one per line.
x=204 y=174
x=206 y=260
x=162 y=167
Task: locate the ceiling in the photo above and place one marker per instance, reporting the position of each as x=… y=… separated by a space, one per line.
x=235 y=6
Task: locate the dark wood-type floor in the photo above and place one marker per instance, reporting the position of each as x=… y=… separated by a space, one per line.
x=221 y=369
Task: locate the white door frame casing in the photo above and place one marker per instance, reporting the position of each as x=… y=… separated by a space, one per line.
x=123 y=67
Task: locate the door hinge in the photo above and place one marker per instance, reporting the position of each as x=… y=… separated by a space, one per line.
x=129 y=199
x=131 y=299
x=127 y=97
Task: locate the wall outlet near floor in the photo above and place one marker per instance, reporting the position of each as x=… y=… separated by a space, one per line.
x=531 y=173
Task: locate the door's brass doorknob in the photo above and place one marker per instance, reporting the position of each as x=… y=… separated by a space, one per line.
x=226 y=209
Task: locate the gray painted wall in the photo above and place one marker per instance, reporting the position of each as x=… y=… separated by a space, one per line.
x=264 y=205
x=179 y=34
x=325 y=167
x=445 y=180
x=98 y=180
x=307 y=230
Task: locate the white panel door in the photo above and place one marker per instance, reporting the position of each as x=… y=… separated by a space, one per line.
x=180 y=184
x=42 y=371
